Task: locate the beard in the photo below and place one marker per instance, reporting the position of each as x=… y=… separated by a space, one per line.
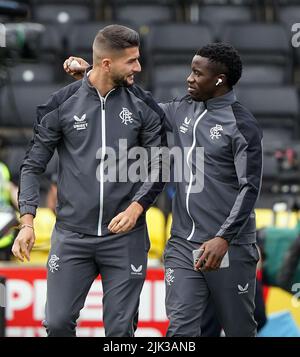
x=120 y=81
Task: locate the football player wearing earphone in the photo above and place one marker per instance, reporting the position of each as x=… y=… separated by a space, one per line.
x=219 y=221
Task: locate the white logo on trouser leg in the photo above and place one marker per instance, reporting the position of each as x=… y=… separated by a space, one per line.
x=52 y=263
x=169 y=276
x=243 y=290
x=136 y=271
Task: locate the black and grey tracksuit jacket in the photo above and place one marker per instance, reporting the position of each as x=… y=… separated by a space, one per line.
x=232 y=170
x=81 y=125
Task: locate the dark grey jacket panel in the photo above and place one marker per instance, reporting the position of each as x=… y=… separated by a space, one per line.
x=247 y=150
x=230 y=174
x=78 y=123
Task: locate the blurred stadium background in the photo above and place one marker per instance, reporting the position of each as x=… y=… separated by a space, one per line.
x=40 y=34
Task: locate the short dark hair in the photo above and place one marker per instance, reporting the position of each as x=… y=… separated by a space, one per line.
x=226 y=59
x=117 y=37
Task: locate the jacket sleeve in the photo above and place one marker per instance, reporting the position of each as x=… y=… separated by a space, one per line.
x=153 y=139
x=247 y=152
x=52 y=104
x=164 y=110
x=47 y=134
x=169 y=109
x=54 y=101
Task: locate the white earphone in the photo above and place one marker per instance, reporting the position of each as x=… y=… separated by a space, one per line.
x=219 y=81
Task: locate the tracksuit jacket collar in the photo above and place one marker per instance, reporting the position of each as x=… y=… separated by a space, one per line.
x=87 y=84
x=221 y=101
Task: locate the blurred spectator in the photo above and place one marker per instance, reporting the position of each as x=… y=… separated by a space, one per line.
x=8 y=204
x=289 y=266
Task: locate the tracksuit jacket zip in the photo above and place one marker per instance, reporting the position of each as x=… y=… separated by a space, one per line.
x=232 y=169
x=73 y=122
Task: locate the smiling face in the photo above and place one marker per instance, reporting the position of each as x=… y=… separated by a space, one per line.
x=124 y=65
x=202 y=80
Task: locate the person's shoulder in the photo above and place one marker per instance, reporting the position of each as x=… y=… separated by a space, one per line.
x=66 y=92
x=186 y=99
x=139 y=91
x=172 y=105
x=146 y=98
x=243 y=115
x=245 y=120
x=56 y=99
x=142 y=94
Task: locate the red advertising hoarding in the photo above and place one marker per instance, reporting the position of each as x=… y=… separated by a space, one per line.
x=26 y=296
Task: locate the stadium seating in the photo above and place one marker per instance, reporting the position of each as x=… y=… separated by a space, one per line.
x=219 y=15
x=262 y=75
x=277 y=109
x=62 y=12
x=274 y=107
x=264 y=45
x=29 y=73
x=176 y=41
x=288 y=13
x=58 y=18
x=169 y=62
x=143 y=13
x=19 y=103
x=81 y=36
x=52 y=43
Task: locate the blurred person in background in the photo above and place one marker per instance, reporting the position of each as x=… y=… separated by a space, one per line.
x=8 y=207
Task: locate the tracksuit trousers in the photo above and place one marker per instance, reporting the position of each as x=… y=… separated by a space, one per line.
x=76 y=259
x=232 y=290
